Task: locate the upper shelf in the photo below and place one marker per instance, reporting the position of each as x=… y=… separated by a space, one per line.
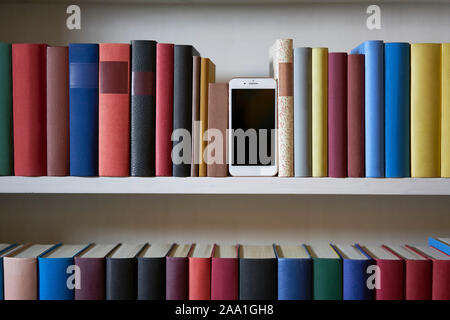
x=256 y=2
x=229 y=185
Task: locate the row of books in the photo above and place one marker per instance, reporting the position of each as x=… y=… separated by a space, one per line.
x=223 y=272
x=383 y=110
x=110 y=110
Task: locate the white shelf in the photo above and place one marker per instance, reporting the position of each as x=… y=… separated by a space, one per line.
x=229 y=185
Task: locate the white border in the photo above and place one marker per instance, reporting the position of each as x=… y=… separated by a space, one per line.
x=251 y=83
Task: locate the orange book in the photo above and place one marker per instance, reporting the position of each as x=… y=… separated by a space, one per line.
x=114 y=110
x=200 y=272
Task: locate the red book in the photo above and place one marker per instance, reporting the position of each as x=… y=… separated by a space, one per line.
x=390 y=274
x=225 y=273
x=114 y=110
x=58 y=111
x=418 y=271
x=29 y=109
x=337 y=114
x=164 y=108
x=440 y=287
x=355 y=116
x=200 y=272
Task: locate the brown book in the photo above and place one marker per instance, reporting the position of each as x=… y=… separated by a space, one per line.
x=196 y=64
x=218 y=120
x=57 y=111
x=20 y=271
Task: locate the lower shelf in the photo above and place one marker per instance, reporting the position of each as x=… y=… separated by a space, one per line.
x=228 y=185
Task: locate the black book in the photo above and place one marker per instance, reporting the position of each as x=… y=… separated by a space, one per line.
x=143 y=108
x=151 y=272
x=121 y=273
x=258 y=273
x=182 y=104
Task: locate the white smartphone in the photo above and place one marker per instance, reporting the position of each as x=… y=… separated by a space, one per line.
x=252 y=127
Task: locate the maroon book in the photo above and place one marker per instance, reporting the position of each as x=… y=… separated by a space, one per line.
x=57 y=111
x=337 y=114
x=29 y=109
x=355 y=115
x=225 y=273
x=164 y=108
x=177 y=272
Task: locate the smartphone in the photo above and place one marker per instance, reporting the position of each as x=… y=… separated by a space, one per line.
x=252 y=127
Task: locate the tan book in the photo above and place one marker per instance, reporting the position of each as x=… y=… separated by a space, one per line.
x=20 y=271
x=207 y=76
x=217 y=130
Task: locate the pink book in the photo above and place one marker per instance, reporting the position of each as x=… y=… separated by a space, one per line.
x=20 y=271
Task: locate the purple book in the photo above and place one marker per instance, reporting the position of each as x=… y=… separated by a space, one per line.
x=177 y=272
x=91 y=264
x=337 y=114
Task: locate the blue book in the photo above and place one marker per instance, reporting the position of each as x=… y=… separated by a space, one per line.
x=441 y=244
x=374 y=109
x=294 y=273
x=397 y=109
x=4 y=249
x=354 y=273
x=54 y=272
x=83 y=92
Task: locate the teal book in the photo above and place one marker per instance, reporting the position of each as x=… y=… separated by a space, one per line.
x=6 y=134
x=327 y=273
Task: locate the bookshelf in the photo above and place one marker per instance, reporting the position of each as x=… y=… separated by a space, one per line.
x=229 y=185
x=237 y=36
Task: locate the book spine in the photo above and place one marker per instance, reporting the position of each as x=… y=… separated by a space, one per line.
x=53 y=279
x=20 y=278
x=258 y=279
x=355 y=116
x=354 y=276
x=284 y=65
x=164 y=108
x=196 y=64
x=302 y=112
x=224 y=279
x=337 y=115
x=391 y=280
x=418 y=279
x=217 y=130
x=294 y=279
x=143 y=108
x=439 y=245
x=6 y=112
x=199 y=278
x=1 y=279
x=374 y=113
x=425 y=110
x=92 y=280
x=58 y=111
x=207 y=76
x=445 y=118
x=441 y=280
x=327 y=279
x=83 y=113
x=151 y=278
x=182 y=108
x=121 y=279
x=319 y=112
x=177 y=278
x=114 y=110
x=29 y=109
x=397 y=106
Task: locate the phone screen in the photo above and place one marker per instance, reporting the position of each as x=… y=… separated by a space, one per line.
x=253 y=127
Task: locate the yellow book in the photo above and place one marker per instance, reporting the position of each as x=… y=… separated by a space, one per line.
x=425 y=110
x=207 y=75
x=445 y=136
x=319 y=112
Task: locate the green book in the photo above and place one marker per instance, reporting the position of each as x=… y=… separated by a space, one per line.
x=6 y=118
x=327 y=273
